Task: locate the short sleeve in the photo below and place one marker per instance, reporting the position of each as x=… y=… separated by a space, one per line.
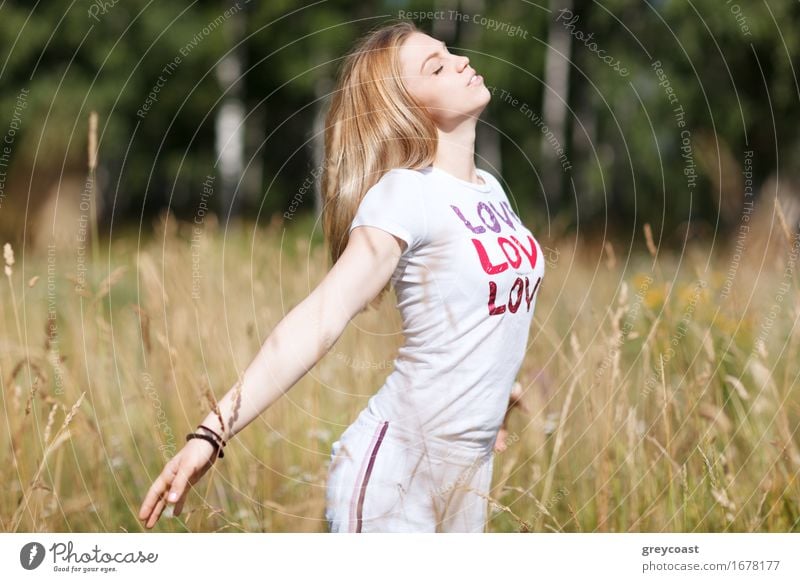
x=393 y=204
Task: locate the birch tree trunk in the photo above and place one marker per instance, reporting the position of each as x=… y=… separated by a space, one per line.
x=487 y=138
x=554 y=106
x=229 y=120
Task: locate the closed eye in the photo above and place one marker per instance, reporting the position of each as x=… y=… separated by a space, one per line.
x=437 y=71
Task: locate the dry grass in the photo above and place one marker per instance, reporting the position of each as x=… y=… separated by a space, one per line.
x=611 y=443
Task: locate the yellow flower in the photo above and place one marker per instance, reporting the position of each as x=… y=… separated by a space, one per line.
x=641 y=281
x=654 y=298
x=693 y=293
x=717 y=279
x=726 y=325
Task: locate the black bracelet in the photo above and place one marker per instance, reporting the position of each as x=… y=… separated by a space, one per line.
x=206 y=438
x=219 y=438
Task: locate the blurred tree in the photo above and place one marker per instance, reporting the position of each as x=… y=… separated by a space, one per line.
x=161 y=78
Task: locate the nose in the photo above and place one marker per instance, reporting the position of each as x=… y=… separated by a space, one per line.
x=464 y=61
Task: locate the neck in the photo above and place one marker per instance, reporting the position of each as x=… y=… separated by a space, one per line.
x=455 y=152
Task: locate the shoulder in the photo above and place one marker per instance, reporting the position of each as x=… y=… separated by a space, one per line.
x=490 y=177
x=398 y=189
x=402 y=181
x=401 y=175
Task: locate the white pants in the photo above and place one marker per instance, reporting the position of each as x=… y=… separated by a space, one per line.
x=380 y=481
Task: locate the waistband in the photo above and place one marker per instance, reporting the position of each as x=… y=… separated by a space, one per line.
x=438 y=447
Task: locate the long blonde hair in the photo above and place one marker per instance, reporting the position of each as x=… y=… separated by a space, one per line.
x=373 y=125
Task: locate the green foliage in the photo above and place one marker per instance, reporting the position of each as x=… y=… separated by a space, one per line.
x=731 y=66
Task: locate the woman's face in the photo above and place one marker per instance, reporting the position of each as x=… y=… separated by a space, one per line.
x=443 y=83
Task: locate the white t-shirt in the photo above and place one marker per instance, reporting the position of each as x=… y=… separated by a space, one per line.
x=466 y=289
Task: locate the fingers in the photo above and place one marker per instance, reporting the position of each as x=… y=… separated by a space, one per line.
x=171 y=487
x=521 y=405
x=193 y=478
x=179 y=507
x=159 y=507
x=515 y=398
x=154 y=501
x=182 y=500
x=500 y=441
x=516 y=392
x=154 y=495
x=177 y=491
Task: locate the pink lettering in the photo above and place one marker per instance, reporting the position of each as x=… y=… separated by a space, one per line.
x=515 y=295
x=486 y=262
x=530 y=254
x=505 y=244
x=529 y=298
x=492 y=294
x=513 y=304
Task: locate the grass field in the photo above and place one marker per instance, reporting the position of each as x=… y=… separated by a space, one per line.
x=101 y=383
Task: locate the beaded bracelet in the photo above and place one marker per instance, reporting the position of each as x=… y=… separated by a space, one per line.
x=209 y=439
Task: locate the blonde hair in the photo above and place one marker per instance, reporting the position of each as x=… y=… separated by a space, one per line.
x=373 y=125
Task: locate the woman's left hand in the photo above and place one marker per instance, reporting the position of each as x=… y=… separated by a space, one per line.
x=514 y=401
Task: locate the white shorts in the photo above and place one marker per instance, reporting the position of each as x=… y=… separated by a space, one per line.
x=380 y=481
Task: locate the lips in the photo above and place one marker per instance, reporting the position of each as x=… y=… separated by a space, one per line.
x=473 y=77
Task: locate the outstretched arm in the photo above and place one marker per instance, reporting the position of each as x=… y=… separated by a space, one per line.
x=309 y=330
x=295 y=345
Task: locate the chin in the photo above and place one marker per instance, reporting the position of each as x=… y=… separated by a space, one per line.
x=483 y=102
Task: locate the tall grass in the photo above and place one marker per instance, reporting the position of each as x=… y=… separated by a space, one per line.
x=655 y=403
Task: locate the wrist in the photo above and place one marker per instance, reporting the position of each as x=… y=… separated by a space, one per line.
x=210 y=440
x=213 y=432
x=211 y=425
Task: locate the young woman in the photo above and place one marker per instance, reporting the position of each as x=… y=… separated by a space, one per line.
x=404 y=205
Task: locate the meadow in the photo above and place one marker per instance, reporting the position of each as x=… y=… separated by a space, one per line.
x=661 y=388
